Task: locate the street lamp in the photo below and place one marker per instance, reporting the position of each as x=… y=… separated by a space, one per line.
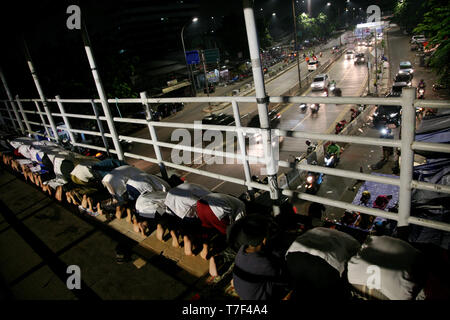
x=295 y=45
x=328 y=4
x=191 y=77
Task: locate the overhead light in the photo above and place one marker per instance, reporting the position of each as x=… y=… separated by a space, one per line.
x=274 y=14
x=195 y=19
x=328 y=4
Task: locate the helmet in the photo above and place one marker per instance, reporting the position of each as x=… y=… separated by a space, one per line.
x=308 y=143
x=366 y=194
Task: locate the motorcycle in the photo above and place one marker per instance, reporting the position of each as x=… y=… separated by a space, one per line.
x=332 y=86
x=340 y=126
x=303 y=107
x=438 y=86
x=331 y=160
x=315 y=108
x=421 y=93
x=313 y=182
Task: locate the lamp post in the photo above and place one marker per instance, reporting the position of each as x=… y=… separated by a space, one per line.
x=295 y=45
x=191 y=77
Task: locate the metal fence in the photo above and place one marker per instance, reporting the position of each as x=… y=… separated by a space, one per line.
x=18 y=120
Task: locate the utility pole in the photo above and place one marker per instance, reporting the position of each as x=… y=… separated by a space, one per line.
x=295 y=44
x=206 y=79
x=376 y=63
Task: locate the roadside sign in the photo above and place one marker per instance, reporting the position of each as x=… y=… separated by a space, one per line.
x=192 y=57
x=212 y=55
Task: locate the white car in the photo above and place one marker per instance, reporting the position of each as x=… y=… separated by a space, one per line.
x=349 y=54
x=312 y=65
x=406 y=68
x=320 y=82
x=418 y=39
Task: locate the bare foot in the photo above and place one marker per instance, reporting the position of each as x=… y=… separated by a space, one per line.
x=159 y=232
x=36 y=179
x=90 y=207
x=175 y=243
x=128 y=218
x=58 y=193
x=69 y=199
x=135 y=224
x=99 y=208
x=212 y=267
x=204 y=252
x=187 y=246
x=119 y=212
x=75 y=202
x=49 y=190
x=84 y=202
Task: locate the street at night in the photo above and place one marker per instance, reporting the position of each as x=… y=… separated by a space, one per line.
x=201 y=153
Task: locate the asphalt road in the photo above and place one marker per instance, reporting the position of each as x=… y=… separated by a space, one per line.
x=194 y=112
x=349 y=77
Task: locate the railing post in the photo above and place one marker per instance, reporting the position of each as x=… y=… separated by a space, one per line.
x=11 y=101
x=24 y=115
x=42 y=118
x=153 y=136
x=262 y=100
x=10 y=116
x=66 y=119
x=241 y=140
x=41 y=93
x=100 y=126
x=407 y=154
x=101 y=93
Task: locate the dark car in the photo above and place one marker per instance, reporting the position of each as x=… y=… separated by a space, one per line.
x=360 y=59
x=397 y=88
x=274 y=118
x=403 y=77
x=387 y=115
x=220 y=119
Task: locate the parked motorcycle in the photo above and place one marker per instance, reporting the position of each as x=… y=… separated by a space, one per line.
x=303 y=107
x=437 y=87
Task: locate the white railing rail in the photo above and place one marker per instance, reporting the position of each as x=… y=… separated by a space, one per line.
x=408 y=104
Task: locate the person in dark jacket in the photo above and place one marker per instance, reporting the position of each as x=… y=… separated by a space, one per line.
x=258 y=274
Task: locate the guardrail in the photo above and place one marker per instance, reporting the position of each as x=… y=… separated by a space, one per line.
x=406 y=143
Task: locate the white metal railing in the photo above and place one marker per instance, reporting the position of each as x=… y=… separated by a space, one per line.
x=406 y=143
x=397 y=143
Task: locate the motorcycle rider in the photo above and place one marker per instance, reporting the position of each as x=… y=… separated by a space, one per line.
x=334 y=149
x=311 y=147
x=340 y=125
x=422 y=84
x=315 y=108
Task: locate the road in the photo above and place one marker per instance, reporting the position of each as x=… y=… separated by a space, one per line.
x=194 y=111
x=349 y=77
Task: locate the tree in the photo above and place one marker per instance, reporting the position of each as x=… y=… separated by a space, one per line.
x=436 y=27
